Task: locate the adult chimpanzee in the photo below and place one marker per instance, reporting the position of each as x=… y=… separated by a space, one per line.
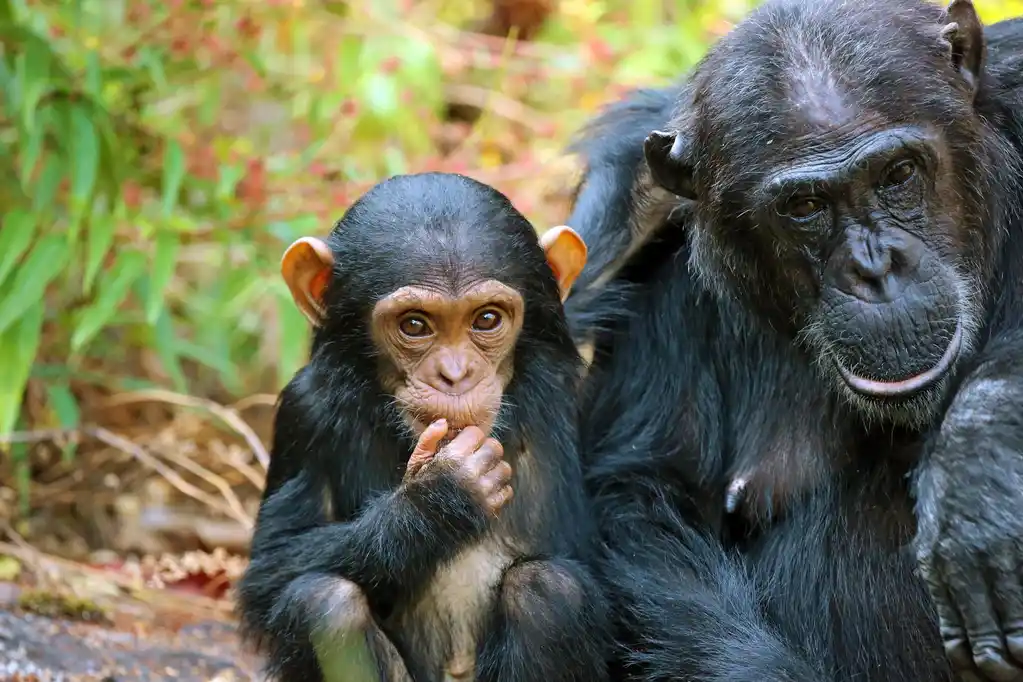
x=435 y=312
x=805 y=408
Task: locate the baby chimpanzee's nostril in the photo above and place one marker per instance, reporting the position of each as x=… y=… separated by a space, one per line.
x=452 y=369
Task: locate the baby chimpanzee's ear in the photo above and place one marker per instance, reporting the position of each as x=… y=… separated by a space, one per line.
x=306 y=268
x=566 y=256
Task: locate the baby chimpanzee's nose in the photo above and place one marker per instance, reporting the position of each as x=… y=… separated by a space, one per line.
x=454 y=372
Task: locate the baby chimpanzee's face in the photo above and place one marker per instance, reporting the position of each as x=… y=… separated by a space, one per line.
x=446 y=351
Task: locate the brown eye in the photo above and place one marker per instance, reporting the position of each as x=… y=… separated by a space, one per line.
x=898 y=174
x=803 y=208
x=414 y=326
x=487 y=321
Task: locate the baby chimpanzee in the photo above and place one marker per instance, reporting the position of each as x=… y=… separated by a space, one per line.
x=388 y=546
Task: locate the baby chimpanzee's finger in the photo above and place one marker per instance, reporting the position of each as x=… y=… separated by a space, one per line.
x=426 y=446
x=489 y=454
x=463 y=445
x=496 y=478
x=497 y=501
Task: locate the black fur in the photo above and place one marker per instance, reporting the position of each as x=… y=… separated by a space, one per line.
x=337 y=434
x=811 y=570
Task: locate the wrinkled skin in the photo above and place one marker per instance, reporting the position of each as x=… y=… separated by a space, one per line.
x=849 y=190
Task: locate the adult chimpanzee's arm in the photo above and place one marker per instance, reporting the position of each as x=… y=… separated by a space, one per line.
x=652 y=427
x=689 y=609
x=970 y=514
x=617 y=206
x=551 y=623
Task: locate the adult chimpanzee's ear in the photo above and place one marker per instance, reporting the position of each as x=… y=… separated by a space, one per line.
x=965 y=37
x=566 y=255
x=306 y=268
x=667 y=156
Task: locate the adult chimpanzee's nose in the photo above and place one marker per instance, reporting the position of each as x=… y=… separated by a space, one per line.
x=876 y=266
x=455 y=372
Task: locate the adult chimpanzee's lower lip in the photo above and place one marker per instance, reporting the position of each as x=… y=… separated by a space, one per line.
x=904 y=387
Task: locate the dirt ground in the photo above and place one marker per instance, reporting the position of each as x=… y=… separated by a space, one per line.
x=68 y=623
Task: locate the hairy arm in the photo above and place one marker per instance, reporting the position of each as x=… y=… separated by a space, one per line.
x=389 y=549
x=388 y=545
x=655 y=438
x=970 y=516
x=617 y=207
x=690 y=609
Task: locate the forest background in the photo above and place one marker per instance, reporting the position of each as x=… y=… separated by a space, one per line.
x=156 y=157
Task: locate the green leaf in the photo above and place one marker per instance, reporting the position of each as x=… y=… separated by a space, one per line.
x=63 y=403
x=150 y=58
x=128 y=267
x=173 y=175
x=15 y=236
x=165 y=345
x=349 y=57
x=380 y=94
x=84 y=156
x=36 y=80
x=394 y=160
x=294 y=337
x=216 y=359
x=98 y=241
x=227 y=181
x=164 y=260
x=43 y=264
x=93 y=75
x=9 y=85
x=30 y=153
x=18 y=348
x=45 y=190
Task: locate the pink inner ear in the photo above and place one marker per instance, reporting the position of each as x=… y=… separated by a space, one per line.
x=318 y=284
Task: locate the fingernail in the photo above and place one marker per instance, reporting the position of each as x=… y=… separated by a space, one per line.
x=441 y=422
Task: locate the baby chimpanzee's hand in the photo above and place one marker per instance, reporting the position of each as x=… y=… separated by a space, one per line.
x=474 y=460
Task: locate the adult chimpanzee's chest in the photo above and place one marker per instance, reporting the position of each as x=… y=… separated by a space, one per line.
x=797 y=557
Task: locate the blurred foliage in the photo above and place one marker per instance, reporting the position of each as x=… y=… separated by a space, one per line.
x=156 y=156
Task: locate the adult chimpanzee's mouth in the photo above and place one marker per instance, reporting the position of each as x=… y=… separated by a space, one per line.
x=904 y=387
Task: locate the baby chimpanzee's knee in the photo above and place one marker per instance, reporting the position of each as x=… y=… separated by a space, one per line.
x=327 y=604
x=540 y=589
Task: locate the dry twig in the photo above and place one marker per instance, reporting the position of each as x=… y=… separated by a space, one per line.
x=230 y=509
x=226 y=414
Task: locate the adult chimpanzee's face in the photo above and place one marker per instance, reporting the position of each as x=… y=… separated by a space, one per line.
x=839 y=192
x=869 y=238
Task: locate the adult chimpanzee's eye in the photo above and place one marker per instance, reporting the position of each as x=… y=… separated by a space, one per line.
x=487 y=321
x=898 y=173
x=414 y=326
x=802 y=208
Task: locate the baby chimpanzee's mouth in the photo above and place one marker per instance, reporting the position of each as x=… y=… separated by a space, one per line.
x=875 y=388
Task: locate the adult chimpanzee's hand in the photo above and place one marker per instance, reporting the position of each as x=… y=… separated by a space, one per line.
x=970 y=531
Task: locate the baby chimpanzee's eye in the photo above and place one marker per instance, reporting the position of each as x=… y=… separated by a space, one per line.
x=487 y=321
x=414 y=326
